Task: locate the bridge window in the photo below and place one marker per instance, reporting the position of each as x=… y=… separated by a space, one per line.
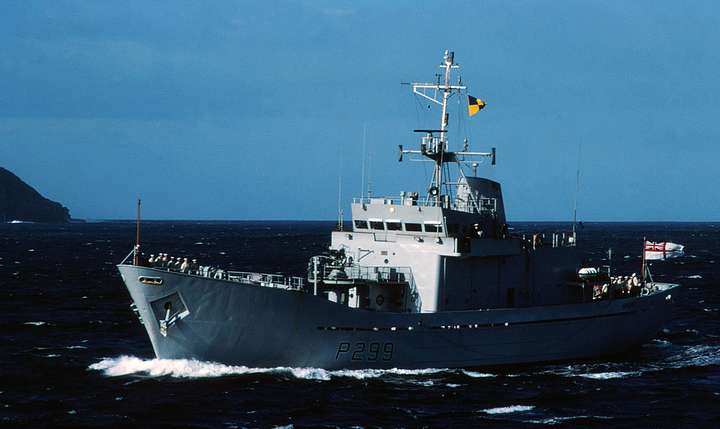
x=414 y=227
x=393 y=225
x=361 y=224
x=432 y=227
x=377 y=225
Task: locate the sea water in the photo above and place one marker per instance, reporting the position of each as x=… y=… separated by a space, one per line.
x=74 y=354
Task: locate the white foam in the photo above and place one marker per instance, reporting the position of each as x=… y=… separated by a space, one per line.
x=609 y=375
x=308 y=373
x=360 y=374
x=189 y=368
x=594 y=372
x=702 y=356
x=558 y=420
x=180 y=368
x=474 y=374
x=659 y=343
x=508 y=410
x=426 y=371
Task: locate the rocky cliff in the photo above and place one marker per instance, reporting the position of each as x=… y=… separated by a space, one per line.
x=19 y=201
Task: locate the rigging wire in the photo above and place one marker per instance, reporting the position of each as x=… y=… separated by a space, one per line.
x=369 y=162
x=340 y=211
x=362 y=179
x=577 y=185
x=461 y=121
x=418 y=108
x=460 y=127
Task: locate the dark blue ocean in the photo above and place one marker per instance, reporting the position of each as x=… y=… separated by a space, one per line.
x=73 y=354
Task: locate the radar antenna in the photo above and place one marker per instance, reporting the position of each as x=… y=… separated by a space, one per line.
x=435 y=143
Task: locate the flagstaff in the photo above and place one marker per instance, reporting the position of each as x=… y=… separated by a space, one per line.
x=137 y=237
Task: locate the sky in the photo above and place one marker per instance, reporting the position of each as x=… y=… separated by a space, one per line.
x=255 y=110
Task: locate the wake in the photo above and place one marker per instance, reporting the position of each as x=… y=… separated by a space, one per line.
x=694 y=356
x=192 y=369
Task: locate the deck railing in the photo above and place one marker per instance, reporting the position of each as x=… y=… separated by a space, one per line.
x=483 y=205
x=373 y=274
x=260 y=279
x=267 y=280
x=552 y=239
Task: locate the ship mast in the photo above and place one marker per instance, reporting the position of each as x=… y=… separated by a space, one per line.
x=435 y=143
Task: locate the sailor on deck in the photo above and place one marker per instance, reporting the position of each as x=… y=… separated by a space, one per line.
x=194 y=267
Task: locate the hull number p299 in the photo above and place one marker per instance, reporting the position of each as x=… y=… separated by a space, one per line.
x=361 y=351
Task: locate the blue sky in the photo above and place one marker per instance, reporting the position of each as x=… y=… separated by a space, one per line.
x=245 y=110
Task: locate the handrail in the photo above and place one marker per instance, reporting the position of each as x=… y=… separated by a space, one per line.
x=485 y=205
x=269 y=280
x=555 y=239
x=261 y=279
x=373 y=274
x=130 y=256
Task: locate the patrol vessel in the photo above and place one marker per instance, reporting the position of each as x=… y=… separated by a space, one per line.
x=437 y=280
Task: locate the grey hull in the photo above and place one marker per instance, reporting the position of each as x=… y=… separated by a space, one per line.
x=239 y=323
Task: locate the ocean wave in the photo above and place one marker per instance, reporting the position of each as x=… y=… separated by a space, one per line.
x=595 y=372
x=189 y=368
x=689 y=356
x=508 y=410
x=697 y=356
x=475 y=374
x=179 y=368
x=656 y=342
x=694 y=356
x=610 y=375
x=560 y=420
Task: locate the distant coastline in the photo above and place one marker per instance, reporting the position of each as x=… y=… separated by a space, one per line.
x=20 y=203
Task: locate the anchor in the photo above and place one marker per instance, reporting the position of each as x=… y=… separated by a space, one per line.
x=168 y=321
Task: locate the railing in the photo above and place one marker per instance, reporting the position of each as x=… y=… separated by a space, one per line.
x=267 y=280
x=372 y=274
x=483 y=206
x=260 y=279
x=554 y=239
x=129 y=259
x=381 y=274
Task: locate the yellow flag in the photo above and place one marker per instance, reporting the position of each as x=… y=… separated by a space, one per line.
x=475 y=105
